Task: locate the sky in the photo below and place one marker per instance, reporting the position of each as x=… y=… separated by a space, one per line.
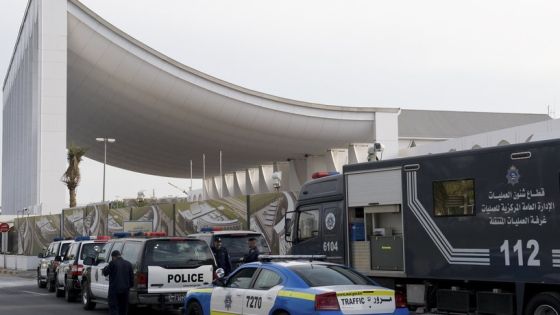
x=476 y=55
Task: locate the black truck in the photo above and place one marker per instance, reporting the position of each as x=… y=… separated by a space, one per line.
x=468 y=231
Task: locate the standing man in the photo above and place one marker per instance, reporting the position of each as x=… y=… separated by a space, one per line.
x=121 y=279
x=222 y=256
x=253 y=254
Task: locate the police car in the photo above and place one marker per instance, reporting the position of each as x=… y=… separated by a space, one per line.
x=294 y=287
x=68 y=275
x=49 y=261
x=165 y=268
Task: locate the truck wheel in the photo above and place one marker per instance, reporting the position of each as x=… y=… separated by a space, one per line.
x=546 y=303
x=194 y=308
x=86 y=297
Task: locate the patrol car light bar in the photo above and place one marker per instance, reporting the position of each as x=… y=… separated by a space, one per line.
x=210 y=229
x=323 y=174
x=291 y=257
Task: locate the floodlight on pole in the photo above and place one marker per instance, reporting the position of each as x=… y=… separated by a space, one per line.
x=105 y=141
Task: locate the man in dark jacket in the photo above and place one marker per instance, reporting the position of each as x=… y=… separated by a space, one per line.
x=121 y=279
x=222 y=256
x=253 y=254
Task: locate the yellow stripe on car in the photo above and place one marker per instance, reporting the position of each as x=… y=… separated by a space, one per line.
x=297 y=295
x=206 y=290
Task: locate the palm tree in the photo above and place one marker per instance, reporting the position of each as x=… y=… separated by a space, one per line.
x=72 y=175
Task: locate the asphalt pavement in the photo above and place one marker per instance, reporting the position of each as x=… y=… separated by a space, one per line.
x=19 y=295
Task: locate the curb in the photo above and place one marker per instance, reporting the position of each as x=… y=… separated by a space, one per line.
x=8 y=272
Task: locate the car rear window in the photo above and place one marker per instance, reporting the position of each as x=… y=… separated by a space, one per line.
x=238 y=244
x=182 y=253
x=326 y=275
x=88 y=250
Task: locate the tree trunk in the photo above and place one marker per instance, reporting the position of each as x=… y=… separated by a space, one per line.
x=72 y=198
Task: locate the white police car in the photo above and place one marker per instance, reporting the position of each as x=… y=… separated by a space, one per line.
x=293 y=287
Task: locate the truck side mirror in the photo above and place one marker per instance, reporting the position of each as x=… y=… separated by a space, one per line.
x=40 y=255
x=288 y=229
x=58 y=258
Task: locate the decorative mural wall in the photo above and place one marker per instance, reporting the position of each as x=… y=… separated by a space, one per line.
x=176 y=218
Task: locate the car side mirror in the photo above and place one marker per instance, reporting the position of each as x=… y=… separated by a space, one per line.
x=220 y=273
x=41 y=255
x=58 y=258
x=89 y=261
x=220 y=282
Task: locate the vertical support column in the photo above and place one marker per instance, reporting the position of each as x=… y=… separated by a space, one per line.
x=265 y=178
x=240 y=183
x=357 y=153
x=252 y=181
x=298 y=173
x=229 y=185
x=335 y=159
x=52 y=100
x=386 y=131
x=283 y=167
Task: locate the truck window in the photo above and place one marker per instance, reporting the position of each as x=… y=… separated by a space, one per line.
x=105 y=253
x=453 y=197
x=308 y=224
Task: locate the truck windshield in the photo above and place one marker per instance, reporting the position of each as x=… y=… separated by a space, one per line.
x=182 y=253
x=327 y=275
x=237 y=245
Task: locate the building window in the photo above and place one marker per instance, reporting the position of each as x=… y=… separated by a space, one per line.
x=453 y=198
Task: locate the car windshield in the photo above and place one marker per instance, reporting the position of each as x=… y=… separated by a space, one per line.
x=316 y=275
x=88 y=250
x=179 y=253
x=237 y=244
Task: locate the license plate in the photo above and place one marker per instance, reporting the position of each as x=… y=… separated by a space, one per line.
x=175 y=298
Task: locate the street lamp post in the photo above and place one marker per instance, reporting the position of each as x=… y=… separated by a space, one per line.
x=105 y=141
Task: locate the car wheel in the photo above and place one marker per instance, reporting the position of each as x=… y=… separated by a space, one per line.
x=281 y=313
x=40 y=283
x=86 y=297
x=50 y=285
x=58 y=291
x=68 y=294
x=194 y=308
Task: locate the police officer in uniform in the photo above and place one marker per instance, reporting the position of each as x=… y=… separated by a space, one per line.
x=222 y=256
x=121 y=279
x=253 y=254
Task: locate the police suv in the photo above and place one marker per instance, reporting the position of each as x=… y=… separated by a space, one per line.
x=165 y=268
x=49 y=261
x=68 y=275
x=235 y=241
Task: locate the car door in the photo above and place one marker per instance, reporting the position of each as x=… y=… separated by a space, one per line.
x=260 y=298
x=66 y=264
x=230 y=297
x=99 y=285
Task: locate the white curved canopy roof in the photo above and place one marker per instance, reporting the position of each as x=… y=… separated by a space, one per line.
x=164 y=114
